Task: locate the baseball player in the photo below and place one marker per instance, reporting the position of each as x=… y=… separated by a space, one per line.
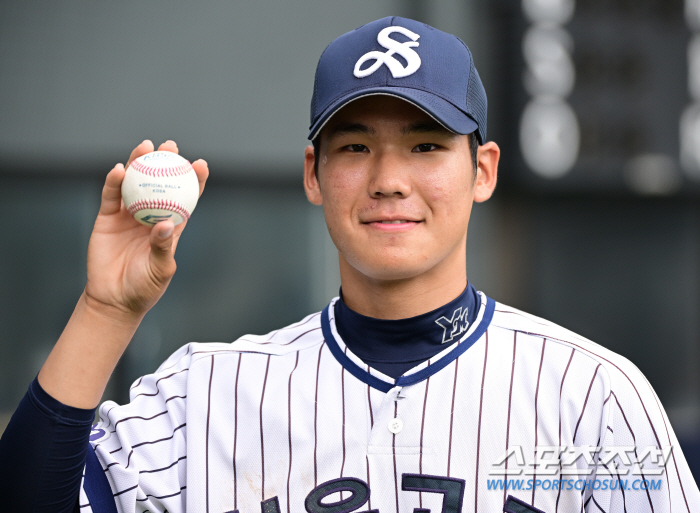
x=409 y=392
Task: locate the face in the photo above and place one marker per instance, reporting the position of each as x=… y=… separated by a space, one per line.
x=397 y=189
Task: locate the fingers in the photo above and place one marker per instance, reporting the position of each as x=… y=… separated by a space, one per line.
x=112 y=191
x=168 y=146
x=162 y=256
x=202 y=169
x=143 y=148
x=147 y=147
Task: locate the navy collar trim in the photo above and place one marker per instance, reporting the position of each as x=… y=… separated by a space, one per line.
x=416 y=377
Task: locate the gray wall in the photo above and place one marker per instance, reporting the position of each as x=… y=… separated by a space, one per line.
x=82 y=82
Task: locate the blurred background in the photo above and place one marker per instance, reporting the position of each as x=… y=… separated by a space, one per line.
x=595 y=224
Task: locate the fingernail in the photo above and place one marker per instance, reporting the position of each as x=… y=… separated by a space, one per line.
x=164 y=234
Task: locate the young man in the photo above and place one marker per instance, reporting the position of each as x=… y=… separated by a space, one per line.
x=410 y=392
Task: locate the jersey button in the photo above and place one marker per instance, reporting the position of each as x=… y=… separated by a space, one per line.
x=395 y=426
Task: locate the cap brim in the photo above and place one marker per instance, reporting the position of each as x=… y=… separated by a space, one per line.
x=442 y=111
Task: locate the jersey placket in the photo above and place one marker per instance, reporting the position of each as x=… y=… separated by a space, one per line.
x=399 y=450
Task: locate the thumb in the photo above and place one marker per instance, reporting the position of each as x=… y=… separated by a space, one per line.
x=162 y=252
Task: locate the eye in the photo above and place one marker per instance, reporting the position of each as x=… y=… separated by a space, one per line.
x=356 y=148
x=425 y=147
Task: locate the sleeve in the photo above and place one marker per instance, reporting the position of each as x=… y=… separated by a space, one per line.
x=42 y=453
x=141 y=446
x=641 y=466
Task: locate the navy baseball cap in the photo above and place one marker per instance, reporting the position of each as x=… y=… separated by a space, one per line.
x=400 y=57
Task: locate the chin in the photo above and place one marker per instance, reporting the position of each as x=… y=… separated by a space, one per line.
x=392 y=268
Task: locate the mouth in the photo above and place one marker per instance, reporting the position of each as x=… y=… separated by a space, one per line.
x=392 y=225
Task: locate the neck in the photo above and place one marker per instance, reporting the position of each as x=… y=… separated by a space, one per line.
x=405 y=297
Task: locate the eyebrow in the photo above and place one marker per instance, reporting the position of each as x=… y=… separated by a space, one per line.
x=351 y=128
x=420 y=127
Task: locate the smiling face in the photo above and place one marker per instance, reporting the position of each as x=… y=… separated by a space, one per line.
x=397 y=190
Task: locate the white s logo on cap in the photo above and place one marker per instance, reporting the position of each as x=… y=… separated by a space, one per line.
x=395 y=66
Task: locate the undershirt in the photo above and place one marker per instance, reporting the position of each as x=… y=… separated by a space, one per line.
x=44 y=447
x=395 y=346
x=42 y=454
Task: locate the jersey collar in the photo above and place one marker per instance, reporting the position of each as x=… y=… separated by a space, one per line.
x=419 y=373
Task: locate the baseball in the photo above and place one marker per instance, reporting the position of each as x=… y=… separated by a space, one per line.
x=158 y=186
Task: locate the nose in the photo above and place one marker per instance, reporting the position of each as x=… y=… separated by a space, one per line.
x=390 y=177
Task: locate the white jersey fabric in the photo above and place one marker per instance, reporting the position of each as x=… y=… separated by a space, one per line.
x=293 y=421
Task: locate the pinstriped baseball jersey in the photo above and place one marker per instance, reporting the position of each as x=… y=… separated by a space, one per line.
x=292 y=421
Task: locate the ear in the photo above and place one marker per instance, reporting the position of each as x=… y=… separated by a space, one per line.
x=486 y=174
x=311 y=185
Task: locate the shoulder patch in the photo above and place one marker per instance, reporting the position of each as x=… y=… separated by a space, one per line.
x=97 y=434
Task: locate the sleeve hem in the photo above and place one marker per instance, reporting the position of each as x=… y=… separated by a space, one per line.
x=63 y=413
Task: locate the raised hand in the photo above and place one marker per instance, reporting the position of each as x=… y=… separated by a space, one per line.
x=130 y=265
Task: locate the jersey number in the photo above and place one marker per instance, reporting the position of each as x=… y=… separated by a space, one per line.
x=452 y=491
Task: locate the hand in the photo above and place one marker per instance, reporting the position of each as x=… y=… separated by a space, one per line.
x=130 y=265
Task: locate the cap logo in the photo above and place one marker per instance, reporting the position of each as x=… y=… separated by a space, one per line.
x=398 y=70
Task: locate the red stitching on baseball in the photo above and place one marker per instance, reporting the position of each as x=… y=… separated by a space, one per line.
x=164 y=204
x=160 y=172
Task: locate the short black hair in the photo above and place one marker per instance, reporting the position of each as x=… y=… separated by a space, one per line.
x=473 y=149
